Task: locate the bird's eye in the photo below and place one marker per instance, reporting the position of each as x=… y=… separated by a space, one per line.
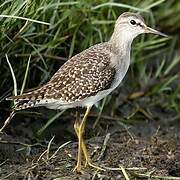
x=133 y=22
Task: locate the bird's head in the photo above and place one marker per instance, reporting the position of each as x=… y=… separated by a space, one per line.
x=131 y=25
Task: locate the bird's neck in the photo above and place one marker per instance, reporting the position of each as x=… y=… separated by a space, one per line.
x=121 y=42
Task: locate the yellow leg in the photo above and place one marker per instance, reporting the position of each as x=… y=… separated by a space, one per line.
x=80 y=129
x=88 y=159
x=79 y=156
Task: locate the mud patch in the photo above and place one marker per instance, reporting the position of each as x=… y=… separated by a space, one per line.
x=142 y=158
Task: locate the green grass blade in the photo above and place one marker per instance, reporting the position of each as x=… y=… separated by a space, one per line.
x=40 y=131
x=23 y=18
x=118 y=5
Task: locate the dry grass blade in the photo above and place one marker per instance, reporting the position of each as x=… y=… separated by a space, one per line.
x=47 y=151
x=60 y=147
x=103 y=149
x=7 y=121
x=25 y=76
x=124 y=173
x=13 y=75
x=48 y=148
x=157 y=177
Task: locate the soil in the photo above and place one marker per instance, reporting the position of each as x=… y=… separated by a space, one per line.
x=148 y=149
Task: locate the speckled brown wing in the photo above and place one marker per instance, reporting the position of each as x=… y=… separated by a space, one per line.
x=82 y=76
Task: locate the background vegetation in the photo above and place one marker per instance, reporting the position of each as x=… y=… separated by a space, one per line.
x=54 y=30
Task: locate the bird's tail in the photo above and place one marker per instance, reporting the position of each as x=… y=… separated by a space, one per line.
x=25 y=101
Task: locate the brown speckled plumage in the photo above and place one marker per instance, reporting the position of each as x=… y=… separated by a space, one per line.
x=82 y=76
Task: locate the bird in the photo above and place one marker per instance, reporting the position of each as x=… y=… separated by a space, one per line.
x=88 y=77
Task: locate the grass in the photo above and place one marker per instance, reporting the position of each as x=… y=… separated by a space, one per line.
x=48 y=29
x=37 y=37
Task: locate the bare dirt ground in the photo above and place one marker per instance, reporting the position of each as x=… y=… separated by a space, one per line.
x=144 y=149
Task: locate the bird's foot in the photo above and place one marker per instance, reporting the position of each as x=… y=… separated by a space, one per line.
x=77 y=168
x=89 y=163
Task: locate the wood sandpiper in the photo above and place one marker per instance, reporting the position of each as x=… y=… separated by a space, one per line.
x=88 y=77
